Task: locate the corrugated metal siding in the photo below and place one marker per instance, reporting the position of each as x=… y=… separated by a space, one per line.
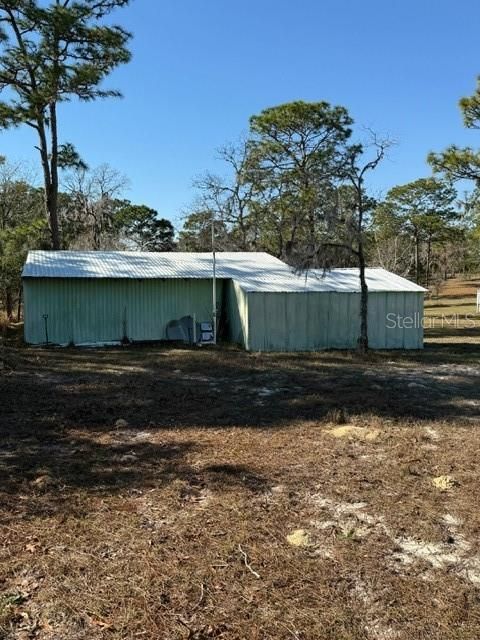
x=85 y=311
x=329 y=320
x=104 y=310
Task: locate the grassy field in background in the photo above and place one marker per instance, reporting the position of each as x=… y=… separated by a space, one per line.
x=160 y=493
x=451 y=316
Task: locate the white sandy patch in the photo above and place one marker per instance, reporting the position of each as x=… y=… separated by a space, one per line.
x=441 y=556
x=438 y=555
x=451 y=521
x=352 y=519
x=375 y=628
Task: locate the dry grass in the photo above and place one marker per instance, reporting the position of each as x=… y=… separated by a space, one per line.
x=175 y=525
x=452 y=317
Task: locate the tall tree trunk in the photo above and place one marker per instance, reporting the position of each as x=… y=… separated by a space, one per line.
x=254 y=229
x=427 y=269
x=310 y=207
x=52 y=204
x=362 y=343
x=19 y=305
x=242 y=226
x=289 y=245
x=50 y=193
x=53 y=200
x=417 y=256
x=311 y=229
x=280 y=241
x=50 y=188
x=9 y=303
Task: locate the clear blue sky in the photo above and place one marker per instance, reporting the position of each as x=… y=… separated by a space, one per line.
x=201 y=68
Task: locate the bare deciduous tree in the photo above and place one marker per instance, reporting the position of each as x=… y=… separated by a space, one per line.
x=230 y=199
x=94 y=198
x=356 y=171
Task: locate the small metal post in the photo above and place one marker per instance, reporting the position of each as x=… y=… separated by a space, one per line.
x=194 y=328
x=45 y=319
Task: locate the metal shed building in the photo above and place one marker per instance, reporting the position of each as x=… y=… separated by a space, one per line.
x=103 y=297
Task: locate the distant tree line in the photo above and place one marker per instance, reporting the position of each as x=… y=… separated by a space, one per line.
x=294 y=187
x=50 y=53
x=298 y=185
x=93 y=214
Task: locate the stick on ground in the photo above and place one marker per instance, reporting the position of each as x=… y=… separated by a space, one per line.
x=245 y=561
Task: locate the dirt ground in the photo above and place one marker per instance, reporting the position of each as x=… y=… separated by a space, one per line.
x=159 y=493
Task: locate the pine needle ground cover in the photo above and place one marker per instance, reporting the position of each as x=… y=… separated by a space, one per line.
x=176 y=493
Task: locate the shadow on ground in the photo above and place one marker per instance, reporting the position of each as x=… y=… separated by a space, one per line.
x=59 y=407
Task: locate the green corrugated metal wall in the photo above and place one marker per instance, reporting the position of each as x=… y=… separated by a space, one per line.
x=328 y=320
x=83 y=310
x=105 y=310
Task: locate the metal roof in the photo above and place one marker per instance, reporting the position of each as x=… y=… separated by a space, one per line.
x=348 y=280
x=134 y=264
x=254 y=271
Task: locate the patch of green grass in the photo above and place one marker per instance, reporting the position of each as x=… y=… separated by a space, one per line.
x=450 y=306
